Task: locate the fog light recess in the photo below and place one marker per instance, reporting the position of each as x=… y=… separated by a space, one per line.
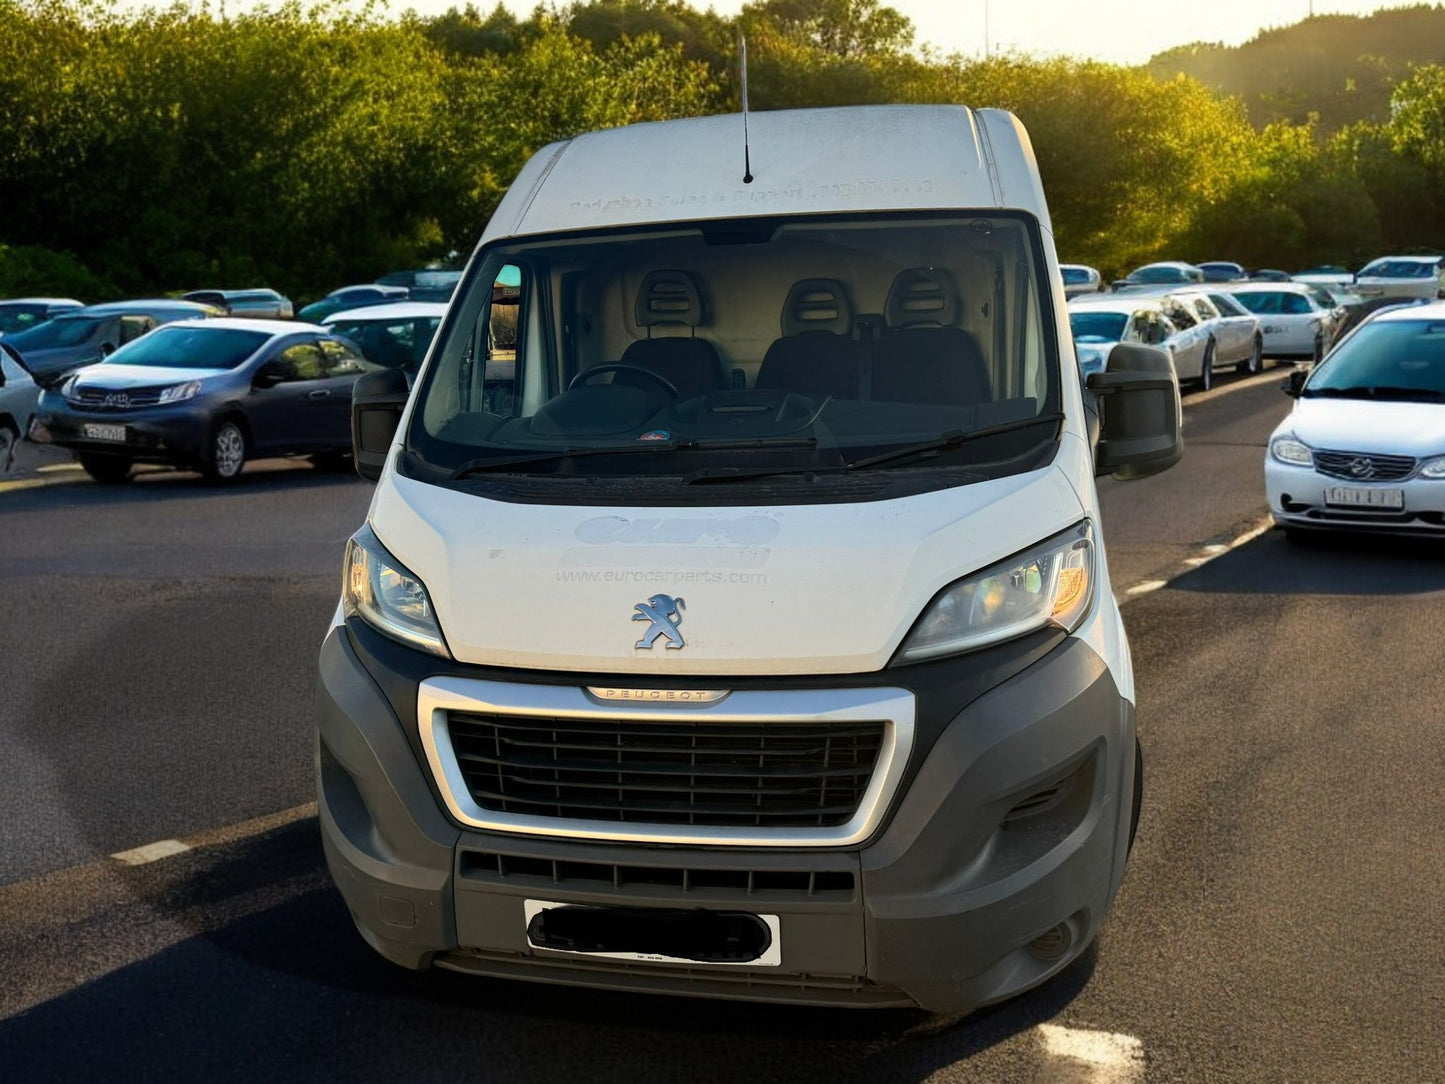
x=1053 y=944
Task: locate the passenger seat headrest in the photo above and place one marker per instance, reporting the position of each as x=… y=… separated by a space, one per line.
x=817 y=305
x=922 y=296
x=668 y=297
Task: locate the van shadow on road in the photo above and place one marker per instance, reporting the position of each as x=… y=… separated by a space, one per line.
x=1330 y=565
x=289 y=991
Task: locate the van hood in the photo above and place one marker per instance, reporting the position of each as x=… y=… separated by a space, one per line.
x=1363 y=425
x=811 y=589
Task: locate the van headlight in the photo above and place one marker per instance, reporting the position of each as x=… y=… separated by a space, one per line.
x=378 y=590
x=1051 y=584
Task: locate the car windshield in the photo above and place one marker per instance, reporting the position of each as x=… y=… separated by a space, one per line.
x=397 y=344
x=1400 y=269
x=61 y=331
x=754 y=345
x=20 y=317
x=1097 y=327
x=1075 y=276
x=177 y=347
x=1386 y=359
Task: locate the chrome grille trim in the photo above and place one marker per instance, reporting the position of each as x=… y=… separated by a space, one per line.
x=1383 y=468
x=895 y=707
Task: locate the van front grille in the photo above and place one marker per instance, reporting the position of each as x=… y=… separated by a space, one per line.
x=758 y=775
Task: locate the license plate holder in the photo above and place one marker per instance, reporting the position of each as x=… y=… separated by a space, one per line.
x=97 y=431
x=690 y=937
x=1390 y=500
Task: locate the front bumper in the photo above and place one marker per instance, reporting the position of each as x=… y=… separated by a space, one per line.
x=1297 y=500
x=996 y=862
x=172 y=434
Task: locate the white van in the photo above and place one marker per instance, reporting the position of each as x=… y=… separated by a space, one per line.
x=731 y=617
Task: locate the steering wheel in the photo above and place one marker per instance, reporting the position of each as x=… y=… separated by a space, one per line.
x=586 y=375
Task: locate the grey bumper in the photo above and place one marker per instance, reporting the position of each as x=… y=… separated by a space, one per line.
x=992 y=873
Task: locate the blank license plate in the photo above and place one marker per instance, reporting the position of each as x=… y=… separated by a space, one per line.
x=1354 y=497
x=630 y=933
x=103 y=432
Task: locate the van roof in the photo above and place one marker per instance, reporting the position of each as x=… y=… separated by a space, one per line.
x=804 y=161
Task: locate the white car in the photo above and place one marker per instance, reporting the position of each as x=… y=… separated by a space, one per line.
x=1234 y=339
x=1401 y=276
x=1364 y=447
x=18 y=395
x=1080 y=279
x=1101 y=323
x=1294 y=323
x=396 y=334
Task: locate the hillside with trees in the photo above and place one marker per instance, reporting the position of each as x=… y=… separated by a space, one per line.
x=305 y=148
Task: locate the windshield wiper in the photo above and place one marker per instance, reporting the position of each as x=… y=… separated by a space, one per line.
x=487 y=465
x=1379 y=391
x=950 y=439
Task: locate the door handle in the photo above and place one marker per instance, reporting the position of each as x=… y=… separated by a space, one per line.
x=319 y=393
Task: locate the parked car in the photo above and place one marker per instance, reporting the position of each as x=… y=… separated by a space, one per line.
x=1401 y=276
x=1235 y=316
x=1080 y=279
x=208 y=394
x=18 y=395
x=1329 y=275
x=425 y=284
x=1222 y=271
x=22 y=313
x=351 y=297
x=395 y=335
x=1235 y=341
x=1164 y=273
x=1101 y=323
x=1361 y=450
x=87 y=335
x=260 y=302
x=1294 y=323
x=1270 y=274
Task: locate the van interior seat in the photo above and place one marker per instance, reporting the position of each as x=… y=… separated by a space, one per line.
x=690 y=364
x=817 y=351
x=923 y=355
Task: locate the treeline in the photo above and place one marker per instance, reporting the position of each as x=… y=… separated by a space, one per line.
x=306 y=148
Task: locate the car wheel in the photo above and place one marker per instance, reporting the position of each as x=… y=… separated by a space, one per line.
x=1255 y=362
x=108 y=470
x=9 y=441
x=1206 y=368
x=1138 y=792
x=225 y=453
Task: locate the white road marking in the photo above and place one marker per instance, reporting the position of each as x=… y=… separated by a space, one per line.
x=1113 y=1058
x=1147 y=586
x=1254 y=532
x=151 y=852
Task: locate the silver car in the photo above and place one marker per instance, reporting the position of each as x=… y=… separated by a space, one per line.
x=18 y=395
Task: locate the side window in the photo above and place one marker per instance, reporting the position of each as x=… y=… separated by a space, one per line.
x=497 y=341
x=1295 y=304
x=1203 y=309
x=1138 y=331
x=1181 y=316
x=133 y=327
x=302 y=361
x=339 y=359
x=1160 y=328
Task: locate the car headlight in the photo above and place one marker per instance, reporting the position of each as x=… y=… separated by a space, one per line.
x=67 y=386
x=1050 y=584
x=387 y=597
x=179 y=393
x=1433 y=468
x=1288 y=450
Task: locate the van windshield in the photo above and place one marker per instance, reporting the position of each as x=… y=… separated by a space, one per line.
x=747 y=348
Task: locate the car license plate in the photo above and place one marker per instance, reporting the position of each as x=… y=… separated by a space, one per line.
x=772 y=955
x=1357 y=497
x=103 y=432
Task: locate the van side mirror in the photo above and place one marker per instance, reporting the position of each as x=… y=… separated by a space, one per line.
x=377 y=400
x=1139 y=411
x=1295 y=383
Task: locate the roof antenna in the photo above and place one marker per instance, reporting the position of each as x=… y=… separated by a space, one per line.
x=743 y=69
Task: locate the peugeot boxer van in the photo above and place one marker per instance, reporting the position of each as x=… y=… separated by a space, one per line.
x=731 y=617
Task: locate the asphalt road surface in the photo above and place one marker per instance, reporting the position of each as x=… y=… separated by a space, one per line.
x=1281 y=919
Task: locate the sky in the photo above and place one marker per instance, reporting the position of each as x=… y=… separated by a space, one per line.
x=1120 y=31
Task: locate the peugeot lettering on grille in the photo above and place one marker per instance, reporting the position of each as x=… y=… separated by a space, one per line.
x=665 y=613
x=1362 y=467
